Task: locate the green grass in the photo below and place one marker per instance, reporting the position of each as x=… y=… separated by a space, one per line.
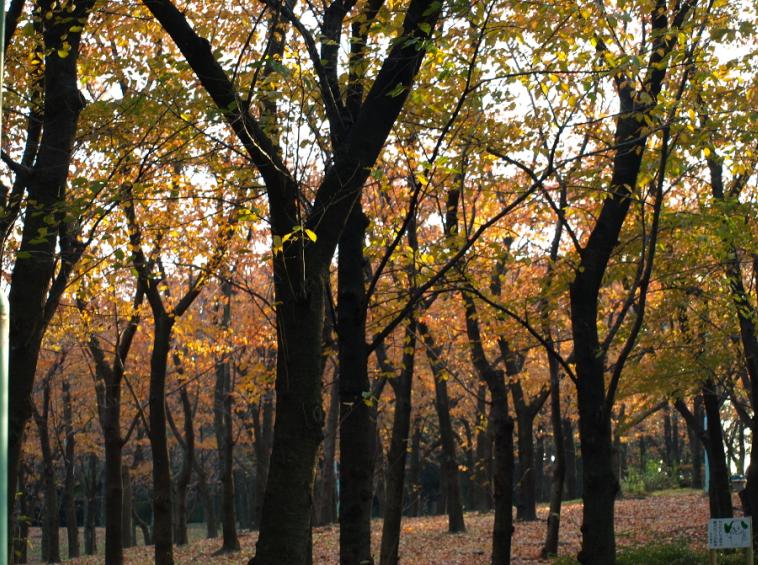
x=664 y=554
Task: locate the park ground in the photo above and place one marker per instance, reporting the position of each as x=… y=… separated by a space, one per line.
x=674 y=516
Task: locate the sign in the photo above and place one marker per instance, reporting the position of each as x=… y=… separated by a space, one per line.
x=729 y=533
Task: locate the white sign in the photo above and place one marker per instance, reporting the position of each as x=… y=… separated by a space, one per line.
x=726 y=533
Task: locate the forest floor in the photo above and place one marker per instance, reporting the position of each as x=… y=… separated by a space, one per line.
x=678 y=516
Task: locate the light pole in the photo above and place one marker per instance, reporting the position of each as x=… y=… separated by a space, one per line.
x=4 y=323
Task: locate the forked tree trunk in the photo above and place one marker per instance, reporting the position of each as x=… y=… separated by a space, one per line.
x=31 y=302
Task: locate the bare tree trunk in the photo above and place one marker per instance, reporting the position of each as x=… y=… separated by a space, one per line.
x=401 y=423
x=209 y=511
x=414 y=471
x=326 y=509
x=51 y=540
x=21 y=534
x=264 y=431
x=447 y=436
x=187 y=444
x=559 y=468
x=222 y=420
x=127 y=526
x=69 y=503
x=91 y=490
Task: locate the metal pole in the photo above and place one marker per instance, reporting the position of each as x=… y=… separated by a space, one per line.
x=4 y=323
x=4 y=509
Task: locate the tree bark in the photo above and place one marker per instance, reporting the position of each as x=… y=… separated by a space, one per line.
x=502 y=425
x=414 y=472
x=72 y=527
x=401 y=424
x=209 y=512
x=559 y=466
x=162 y=511
x=326 y=509
x=526 y=412
x=91 y=490
x=356 y=426
x=127 y=524
x=263 y=438
x=447 y=436
x=51 y=539
x=222 y=422
x=720 y=495
x=32 y=298
x=21 y=535
x=185 y=474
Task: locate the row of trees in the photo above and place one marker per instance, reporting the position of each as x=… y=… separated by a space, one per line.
x=523 y=203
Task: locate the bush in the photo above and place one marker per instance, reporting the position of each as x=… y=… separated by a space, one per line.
x=654 y=478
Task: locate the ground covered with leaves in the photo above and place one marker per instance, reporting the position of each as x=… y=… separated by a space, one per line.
x=678 y=517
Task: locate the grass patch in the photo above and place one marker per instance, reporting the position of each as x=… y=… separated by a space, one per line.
x=664 y=554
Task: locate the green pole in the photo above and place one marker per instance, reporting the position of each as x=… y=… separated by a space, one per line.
x=4 y=319
x=4 y=323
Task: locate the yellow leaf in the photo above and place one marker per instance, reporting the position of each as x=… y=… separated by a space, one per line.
x=311 y=235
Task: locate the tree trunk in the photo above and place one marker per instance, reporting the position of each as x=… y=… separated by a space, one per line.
x=285 y=529
x=401 y=424
x=414 y=471
x=162 y=511
x=222 y=421
x=572 y=481
x=668 y=441
x=209 y=512
x=696 y=447
x=720 y=495
x=185 y=474
x=50 y=525
x=503 y=426
x=539 y=466
x=72 y=528
x=326 y=509
x=447 y=436
x=356 y=427
x=114 y=489
x=21 y=535
x=482 y=472
x=526 y=501
x=263 y=438
x=127 y=524
x=90 y=522
x=29 y=298
x=559 y=466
